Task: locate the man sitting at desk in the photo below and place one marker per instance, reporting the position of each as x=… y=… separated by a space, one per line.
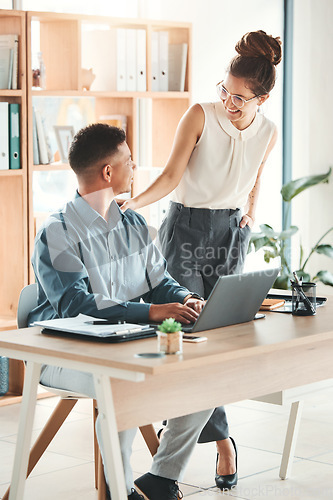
x=91 y=258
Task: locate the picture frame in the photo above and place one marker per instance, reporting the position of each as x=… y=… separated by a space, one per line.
x=64 y=135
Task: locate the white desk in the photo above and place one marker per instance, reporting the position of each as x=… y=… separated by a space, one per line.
x=238 y=362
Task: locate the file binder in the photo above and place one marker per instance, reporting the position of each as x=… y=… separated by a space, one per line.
x=154 y=61
x=14 y=136
x=141 y=60
x=131 y=60
x=4 y=153
x=163 y=48
x=121 y=59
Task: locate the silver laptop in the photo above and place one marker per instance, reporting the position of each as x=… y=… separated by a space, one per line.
x=234 y=299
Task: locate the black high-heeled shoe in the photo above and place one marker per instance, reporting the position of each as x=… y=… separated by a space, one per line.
x=230 y=480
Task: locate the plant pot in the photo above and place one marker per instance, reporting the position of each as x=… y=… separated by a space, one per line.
x=170 y=343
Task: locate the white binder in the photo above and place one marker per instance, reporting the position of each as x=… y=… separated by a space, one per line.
x=141 y=84
x=163 y=61
x=131 y=60
x=154 y=61
x=4 y=138
x=121 y=59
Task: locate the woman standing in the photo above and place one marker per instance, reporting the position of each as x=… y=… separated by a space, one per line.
x=214 y=171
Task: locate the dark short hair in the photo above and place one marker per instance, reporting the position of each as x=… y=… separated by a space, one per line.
x=93 y=145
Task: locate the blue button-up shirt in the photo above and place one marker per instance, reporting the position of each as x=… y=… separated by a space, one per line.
x=86 y=264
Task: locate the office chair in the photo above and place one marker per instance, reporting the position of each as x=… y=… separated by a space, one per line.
x=68 y=399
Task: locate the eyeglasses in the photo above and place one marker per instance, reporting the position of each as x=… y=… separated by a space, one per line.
x=235 y=99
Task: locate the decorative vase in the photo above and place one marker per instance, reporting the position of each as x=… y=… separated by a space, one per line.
x=170 y=343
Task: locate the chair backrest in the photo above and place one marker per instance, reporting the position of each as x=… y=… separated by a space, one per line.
x=27 y=301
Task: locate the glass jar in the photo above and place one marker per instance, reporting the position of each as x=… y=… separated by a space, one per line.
x=170 y=343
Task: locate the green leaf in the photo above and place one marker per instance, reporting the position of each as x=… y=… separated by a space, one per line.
x=293 y=188
x=301 y=255
x=326 y=250
x=260 y=242
x=325 y=277
x=269 y=255
x=170 y=325
x=268 y=231
x=282 y=282
x=287 y=233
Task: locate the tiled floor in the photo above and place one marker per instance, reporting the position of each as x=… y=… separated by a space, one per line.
x=66 y=469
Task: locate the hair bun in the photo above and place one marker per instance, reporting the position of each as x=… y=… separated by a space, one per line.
x=259 y=44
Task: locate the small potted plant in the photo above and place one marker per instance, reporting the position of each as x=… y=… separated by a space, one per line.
x=170 y=337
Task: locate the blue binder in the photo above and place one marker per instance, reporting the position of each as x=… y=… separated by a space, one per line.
x=14 y=136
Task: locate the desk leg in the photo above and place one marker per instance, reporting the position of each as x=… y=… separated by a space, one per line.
x=27 y=413
x=112 y=454
x=291 y=438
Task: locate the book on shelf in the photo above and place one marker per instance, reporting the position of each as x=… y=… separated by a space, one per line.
x=14 y=136
x=8 y=61
x=35 y=138
x=177 y=66
x=4 y=137
x=41 y=139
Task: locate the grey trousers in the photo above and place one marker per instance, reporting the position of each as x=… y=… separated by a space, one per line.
x=200 y=245
x=176 y=446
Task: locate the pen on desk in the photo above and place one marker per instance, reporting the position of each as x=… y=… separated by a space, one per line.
x=102 y=322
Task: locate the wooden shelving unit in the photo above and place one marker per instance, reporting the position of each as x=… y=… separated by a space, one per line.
x=60 y=38
x=14 y=208
x=60 y=43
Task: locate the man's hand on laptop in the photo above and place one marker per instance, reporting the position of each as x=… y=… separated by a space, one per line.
x=195 y=304
x=180 y=312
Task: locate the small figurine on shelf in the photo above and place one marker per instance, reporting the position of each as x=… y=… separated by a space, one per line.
x=39 y=74
x=87 y=77
x=170 y=337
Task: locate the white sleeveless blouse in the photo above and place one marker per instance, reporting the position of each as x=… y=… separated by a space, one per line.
x=223 y=166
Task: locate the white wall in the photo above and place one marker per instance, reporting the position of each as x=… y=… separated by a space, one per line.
x=312 y=121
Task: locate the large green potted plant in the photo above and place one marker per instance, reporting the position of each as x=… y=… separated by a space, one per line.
x=276 y=244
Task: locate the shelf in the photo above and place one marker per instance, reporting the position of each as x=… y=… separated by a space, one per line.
x=9 y=172
x=113 y=94
x=10 y=93
x=51 y=166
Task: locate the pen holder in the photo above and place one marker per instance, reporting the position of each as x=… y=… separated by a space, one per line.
x=304 y=299
x=170 y=343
